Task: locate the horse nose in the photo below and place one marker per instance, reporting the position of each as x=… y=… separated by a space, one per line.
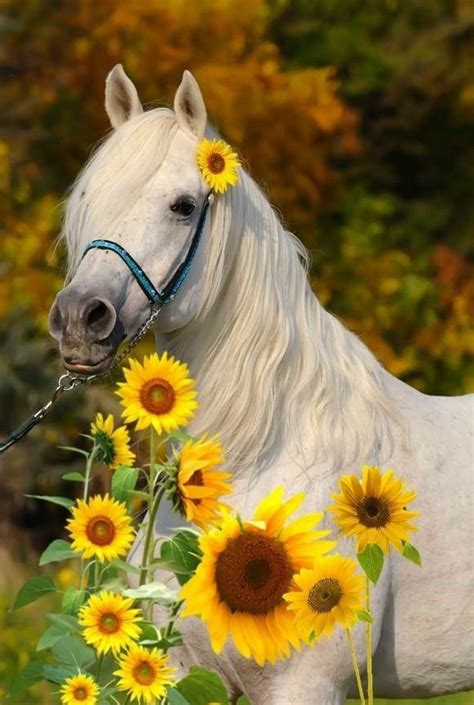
x=79 y=316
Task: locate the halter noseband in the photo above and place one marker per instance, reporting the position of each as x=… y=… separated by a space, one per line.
x=145 y=283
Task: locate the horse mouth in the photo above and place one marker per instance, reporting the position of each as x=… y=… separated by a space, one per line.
x=89 y=367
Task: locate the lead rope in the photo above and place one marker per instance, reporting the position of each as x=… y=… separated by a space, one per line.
x=69 y=381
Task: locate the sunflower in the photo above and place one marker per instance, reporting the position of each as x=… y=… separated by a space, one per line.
x=113 y=446
x=109 y=622
x=159 y=393
x=218 y=164
x=329 y=593
x=144 y=673
x=79 y=690
x=101 y=528
x=198 y=483
x=374 y=510
x=246 y=569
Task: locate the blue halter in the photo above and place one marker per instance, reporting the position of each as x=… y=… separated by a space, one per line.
x=148 y=288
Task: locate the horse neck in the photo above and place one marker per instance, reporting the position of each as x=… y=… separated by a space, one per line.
x=276 y=371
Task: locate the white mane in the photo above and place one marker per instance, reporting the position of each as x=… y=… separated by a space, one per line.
x=272 y=366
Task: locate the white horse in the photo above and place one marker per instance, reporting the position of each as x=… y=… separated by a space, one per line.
x=296 y=397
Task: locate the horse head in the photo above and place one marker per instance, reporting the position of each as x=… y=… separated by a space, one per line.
x=144 y=193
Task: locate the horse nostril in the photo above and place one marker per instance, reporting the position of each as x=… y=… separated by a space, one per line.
x=97 y=314
x=100 y=318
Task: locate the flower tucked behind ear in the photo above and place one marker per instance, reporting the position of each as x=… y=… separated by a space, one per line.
x=218 y=164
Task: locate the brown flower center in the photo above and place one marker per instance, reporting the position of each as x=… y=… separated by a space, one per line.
x=100 y=530
x=216 y=163
x=109 y=623
x=324 y=595
x=157 y=396
x=80 y=693
x=253 y=573
x=144 y=673
x=373 y=512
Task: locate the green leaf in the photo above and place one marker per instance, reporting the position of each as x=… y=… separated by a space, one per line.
x=124 y=480
x=365 y=616
x=181 y=554
x=58 y=550
x=243 y=700
x=175 y=698
x=72 y=651
x=76 y=450
x=180 y=436
x=33 y=589
x=156 y=591
x=74 y=477
x=32 y=673
x=62 y=501
x=411 y=553
x=50 y=637
x=127 y=567
x=58 y=673
x=201 y=687
x=65 y=621
x=72 y=600
x=371 y=560
x=139 y=494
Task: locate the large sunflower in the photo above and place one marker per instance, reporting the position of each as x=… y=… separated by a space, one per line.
x=218 y=164
x=113 y=445
x=330 y=593
x=109 y=622
x=79 y=690
x=159 y=393
x=101 y=528
x=144 y=674
x=374 y=510
x=246 y=569
x=199 y=483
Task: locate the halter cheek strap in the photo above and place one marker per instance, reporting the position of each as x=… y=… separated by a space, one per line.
x=144 y=282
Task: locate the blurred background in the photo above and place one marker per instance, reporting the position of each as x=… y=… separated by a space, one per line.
x=356 y=117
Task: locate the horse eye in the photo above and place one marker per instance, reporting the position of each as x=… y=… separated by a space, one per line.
x=183 y=206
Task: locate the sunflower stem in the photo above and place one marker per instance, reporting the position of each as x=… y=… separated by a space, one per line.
x=100 y=661
x=355 y=666
x=370 y=677
x=96 y=574
x=153 y=506
x=90 y=460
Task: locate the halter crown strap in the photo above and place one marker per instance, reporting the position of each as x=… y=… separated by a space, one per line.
x=148 y=288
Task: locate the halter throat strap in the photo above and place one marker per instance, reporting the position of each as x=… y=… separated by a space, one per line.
x=142 y=279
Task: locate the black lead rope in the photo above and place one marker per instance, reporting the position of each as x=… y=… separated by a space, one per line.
x=69 y=381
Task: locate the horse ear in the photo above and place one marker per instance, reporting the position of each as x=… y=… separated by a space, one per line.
x=189 y=106
x=121 y=97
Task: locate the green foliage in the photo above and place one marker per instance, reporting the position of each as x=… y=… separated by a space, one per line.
x=371 y=561
x=58 y=550
x=124 y=480
x=201 y=687
x=411 y=553
x=181 y=554
x=35 y=588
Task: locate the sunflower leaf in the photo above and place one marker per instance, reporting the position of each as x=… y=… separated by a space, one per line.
x=365 y=616
x=32 y=673
x=66 y=621
x=72 y=600
x=201 y=687
x=371 y=561
x=127 y=567
x=50 y=636
x=411 y=553
x=181 y=554
x=124 y=480
x=74 y=477
x=58 y=673
x=175 y=698
x=61 y=501
x=156 y=591
x=58 y=550
x=36 y=587
x=72 y=651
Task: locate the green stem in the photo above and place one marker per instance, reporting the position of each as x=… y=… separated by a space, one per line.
x=148 y=544
x=89 y=463
x=370 y=677
x=99 y=666
x=96 y=575
x=355 y=666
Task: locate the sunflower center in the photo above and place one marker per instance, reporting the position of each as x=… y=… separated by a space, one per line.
x=216 y=163
x=105 y=446
x=253 y=573
x=100 y=530
x=196 y=479
x=324 y=595
x=144 y=673
x=157 y=396
x=109 y=623
x=373 y=512
x=80 y=693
